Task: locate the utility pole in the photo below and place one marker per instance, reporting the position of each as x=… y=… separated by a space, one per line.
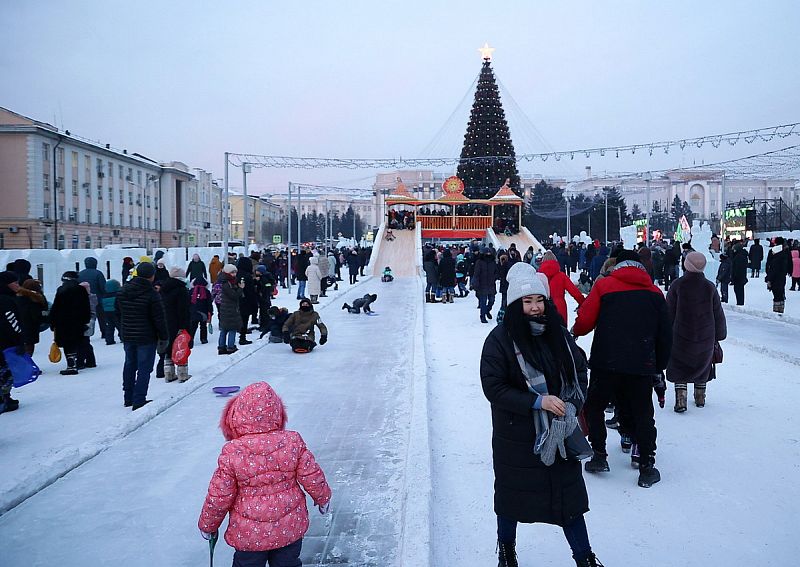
x=569 y=219
x=299 y=224
x=289 y=242
x=647 y=177
x=724 y=203
x=226 y=222
x=605 y=194
x=352 y=205
x=246 y=218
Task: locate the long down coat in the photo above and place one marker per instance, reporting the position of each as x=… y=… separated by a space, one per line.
x=525 y=489
x=697 y=321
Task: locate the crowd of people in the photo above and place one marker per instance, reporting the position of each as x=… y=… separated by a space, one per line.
x=156 y=310
x=401 y=219
x=549 y=401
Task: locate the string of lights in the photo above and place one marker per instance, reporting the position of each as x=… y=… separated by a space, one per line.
x=766 y=134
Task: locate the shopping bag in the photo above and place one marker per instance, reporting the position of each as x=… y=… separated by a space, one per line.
x=23 y=368
x=55 y=354
x=210 y=328
x=180 y=348
x=275 y=291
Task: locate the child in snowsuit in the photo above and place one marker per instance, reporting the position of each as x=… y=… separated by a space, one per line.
x=298 y=330
x=361 y=303
x=273 y=323
x=461 y=275
x=387 y=275
x=261 y=473
x=584 y=282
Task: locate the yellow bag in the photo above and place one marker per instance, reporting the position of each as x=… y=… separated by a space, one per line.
x=55 y=354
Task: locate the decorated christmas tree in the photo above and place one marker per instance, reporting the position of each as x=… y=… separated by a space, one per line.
x=487 y=137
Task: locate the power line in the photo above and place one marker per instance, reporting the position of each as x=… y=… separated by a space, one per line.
x=732 y=138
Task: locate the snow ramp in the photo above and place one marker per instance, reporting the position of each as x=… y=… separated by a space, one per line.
x=403 y=254
x=522 y=239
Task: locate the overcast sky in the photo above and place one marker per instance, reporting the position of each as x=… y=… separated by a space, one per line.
x=188 y=80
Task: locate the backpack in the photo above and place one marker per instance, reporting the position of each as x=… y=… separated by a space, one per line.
x=216 y=293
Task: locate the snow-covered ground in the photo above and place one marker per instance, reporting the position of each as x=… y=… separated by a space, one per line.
x=136 y=480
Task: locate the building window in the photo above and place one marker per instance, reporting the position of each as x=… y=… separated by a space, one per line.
x=130 y=198
x=46 y=152
x=120 y=219
x=75 y=161
x=46 y=181
x=89 y=215
x=46 y=210
x=138 y=177
x=110 y=217
x=121 y=197
x=88 y=242
x=61 y=242
x=140 y=221
x=110 y=194
x=130 y=220
x=74 y=187
x=61 y=212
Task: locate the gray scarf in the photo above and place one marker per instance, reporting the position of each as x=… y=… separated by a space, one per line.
x=552 y=432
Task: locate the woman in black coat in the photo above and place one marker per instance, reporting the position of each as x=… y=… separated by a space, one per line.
x=739 y=272
x=526 y=404
x=447 y=275
x=69 y=318
x=177 y=310
x=431 y=268
x=483 y=281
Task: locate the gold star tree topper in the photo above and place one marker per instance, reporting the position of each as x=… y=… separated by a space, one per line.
x=486 y=52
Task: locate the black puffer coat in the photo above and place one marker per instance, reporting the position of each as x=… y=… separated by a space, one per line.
x=447 y=270
x=697 y=321
x=70 y=314
x=140 y=313
x=177 y=306
x=739 y=267
x=484 y=276
x=525 y=489
x=230 y=318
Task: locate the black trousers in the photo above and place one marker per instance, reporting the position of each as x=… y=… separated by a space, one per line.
x=288 y=556
x=203 y=331
x=633 y=396
x=738 y=290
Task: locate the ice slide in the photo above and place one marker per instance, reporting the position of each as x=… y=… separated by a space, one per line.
x=522 y=239
x=403 y=254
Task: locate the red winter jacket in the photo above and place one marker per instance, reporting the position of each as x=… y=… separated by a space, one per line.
x=632 y=327
x=259 y=475
x=559 y=284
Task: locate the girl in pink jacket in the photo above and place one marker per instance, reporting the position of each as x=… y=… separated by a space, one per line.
x=258 y=479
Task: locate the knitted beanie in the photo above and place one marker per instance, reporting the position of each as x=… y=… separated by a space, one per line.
x=177 y=272
x=145 y=270
x=230 y=269
x=523 y=280
x=695 y=262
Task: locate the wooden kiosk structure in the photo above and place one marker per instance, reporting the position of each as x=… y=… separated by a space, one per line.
x=453 y=225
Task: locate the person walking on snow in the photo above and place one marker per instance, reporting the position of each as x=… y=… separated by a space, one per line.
x=778 y=268
x=97 y=285
x=353 y=265
x=177 y=308
x=560 y=284
x=86 y=357
x=33 y=312
x=228 y=293
x=534 y=376
x=201 y=310
x=314 y=278
x=10 y=336
x=214 y=268
x=69 y=318
x=483 y=282
x=724 y=277
x=739 y=272
x=795 y=269
x=144 y=333
x=630 y=348
x=698 y=322
x=259 y=481
x=196 y=268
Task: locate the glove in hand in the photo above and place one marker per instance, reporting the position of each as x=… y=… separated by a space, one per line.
x=161 y=346
x=323 y=339
x=208 y=535
x=323 y=508
x=287 y=337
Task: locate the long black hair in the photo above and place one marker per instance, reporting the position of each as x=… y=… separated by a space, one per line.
x=555 y=360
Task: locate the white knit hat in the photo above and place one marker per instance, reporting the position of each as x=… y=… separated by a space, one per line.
x=230 y=269
x=524 y=280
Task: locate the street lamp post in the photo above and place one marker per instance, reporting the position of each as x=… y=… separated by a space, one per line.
x=289 y=242
x=246 y=223
x=647 y=177
x=226 y=228
x=605 y=195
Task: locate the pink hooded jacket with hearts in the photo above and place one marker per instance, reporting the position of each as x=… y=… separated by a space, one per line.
x=259 y=475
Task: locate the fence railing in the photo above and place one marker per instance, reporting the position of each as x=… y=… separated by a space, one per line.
x=454 y=223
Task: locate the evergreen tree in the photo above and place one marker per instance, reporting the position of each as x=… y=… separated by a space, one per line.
x=546 y=211
x=487 y=136
x=636 y=212
x=676 y=210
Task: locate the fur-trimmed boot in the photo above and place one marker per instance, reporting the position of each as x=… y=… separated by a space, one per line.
x=507 y=554
x=169 y=370
x=182 y=373
x=680 y=398
x=700 y=395
x=778 y=306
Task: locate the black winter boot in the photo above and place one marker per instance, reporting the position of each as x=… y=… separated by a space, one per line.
x=598 y=463
x=590 y=561
x=648 y=474
x=222 y=350
x=72 y=365
x=507 y=554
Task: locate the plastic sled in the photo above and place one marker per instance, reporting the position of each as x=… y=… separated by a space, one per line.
x=372 y=314
x=224 y=391
x=301 y=350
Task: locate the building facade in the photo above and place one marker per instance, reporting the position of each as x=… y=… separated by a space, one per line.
x=706 y=191
x=266 y=219
x=334 y=201
x=59 y=191
x=205 y=209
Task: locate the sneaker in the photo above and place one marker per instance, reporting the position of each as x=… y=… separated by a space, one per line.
x=613 y=422
x=69 y=372
x=648 y=475
x=598 y=463
x=626 y=442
